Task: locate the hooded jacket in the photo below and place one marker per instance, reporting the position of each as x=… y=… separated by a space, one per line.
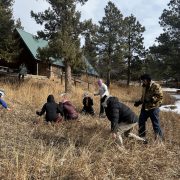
x=69 y=110
x=51 y=108
x=118 y=112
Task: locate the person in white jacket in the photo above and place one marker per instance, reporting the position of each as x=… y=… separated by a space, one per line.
x=103 y=91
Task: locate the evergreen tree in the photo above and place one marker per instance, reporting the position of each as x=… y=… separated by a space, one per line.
x=62 y=30
x=89 y=47
x=108 y=38
x=9 y=49
x=134 y=48
x=168 y=48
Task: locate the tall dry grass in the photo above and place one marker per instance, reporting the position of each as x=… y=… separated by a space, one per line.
x=79 y=149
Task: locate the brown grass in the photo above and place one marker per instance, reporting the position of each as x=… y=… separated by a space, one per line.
x=79 y=150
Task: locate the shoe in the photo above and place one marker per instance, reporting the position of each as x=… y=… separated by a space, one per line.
x=145 y=142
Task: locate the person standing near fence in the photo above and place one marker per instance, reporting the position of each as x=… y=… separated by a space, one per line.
x=103 y=91
x=22 y=71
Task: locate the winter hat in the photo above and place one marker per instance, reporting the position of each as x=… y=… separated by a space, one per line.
x=146 y=77
x=100 y=82
x=63 y=94
x=85 y=94
x=2 y=93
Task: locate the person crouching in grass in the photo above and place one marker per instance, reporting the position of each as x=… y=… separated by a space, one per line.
x=52 y=109
x=87 y=104
x=69 y=110
x=122 y=119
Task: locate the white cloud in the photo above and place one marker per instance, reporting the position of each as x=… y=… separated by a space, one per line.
x=147 y=13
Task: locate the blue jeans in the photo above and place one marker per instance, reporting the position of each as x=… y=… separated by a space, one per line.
x=154 y=116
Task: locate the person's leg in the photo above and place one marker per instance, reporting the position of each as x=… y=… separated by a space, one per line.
x=128 y=128
x=154 y=116
x=123 y=128
x=83 y=111
x=142 y=123
x=101 y=108
x=19 y=76
x=91 y=110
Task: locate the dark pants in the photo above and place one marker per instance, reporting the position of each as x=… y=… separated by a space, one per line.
x=102 y=110
x=154 y=116
x=21 y=76
x=88 y=110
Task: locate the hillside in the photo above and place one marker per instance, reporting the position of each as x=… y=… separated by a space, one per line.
x=79 y=149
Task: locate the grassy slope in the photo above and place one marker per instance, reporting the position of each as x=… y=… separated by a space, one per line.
x=79 y=150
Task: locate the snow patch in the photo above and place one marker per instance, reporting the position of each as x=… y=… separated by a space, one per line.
x=171 y=108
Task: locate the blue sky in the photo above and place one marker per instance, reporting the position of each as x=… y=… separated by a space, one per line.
x=147 y=13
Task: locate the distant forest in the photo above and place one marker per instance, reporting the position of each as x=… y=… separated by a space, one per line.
x=114 y=46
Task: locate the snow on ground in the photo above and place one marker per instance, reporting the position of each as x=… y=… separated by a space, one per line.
x=172 y=90
x=172 y=107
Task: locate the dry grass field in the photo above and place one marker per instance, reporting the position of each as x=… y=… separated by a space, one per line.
x=79 y=150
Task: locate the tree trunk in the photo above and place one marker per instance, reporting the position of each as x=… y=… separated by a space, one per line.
x=129 y=71
x=109 y=68
x=108 y=78
x=68 y=78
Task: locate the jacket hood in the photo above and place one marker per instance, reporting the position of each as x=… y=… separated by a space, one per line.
x=50 y=98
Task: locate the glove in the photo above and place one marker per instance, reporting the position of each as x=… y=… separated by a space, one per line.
x=137 y=103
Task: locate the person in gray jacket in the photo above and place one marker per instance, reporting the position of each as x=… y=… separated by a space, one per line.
x=22 y=71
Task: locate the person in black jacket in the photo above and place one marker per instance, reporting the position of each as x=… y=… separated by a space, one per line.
x=87 y=105
x=122 y=118
x=52 y=109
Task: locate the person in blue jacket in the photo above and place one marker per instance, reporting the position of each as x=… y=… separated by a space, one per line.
x=2 y=102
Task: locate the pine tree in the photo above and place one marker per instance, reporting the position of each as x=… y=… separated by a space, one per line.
x=89 y=47
x=62 y=29
x=108 y=38
x=168 y=48
x=134 y=48
x=9 y=49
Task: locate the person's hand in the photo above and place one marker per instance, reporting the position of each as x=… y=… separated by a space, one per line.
x=8 y=109
x=114 y=135
x=38 y=113
x=137 y=103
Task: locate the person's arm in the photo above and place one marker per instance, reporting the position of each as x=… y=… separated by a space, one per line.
x=84 y=101
x=140 y=101
x=4 y=105
x=114 y=118
x=158 y=94
x=91 y=101
x=43 y=110
x=97 y=93
x=105 y=89
x=60 y=109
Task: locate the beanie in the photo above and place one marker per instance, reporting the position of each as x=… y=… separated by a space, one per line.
x=100 y=82
x=146 y=77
